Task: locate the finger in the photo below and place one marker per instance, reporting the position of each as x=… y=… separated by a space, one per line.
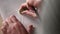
x=18 y=25
x=4 y=27
x=20 y=29
x=23 y=7
x=4 y=23
x=34 y=3
x=30 y=2
x=37 y=3
x=9 y=21
x=30 y=13
x=31 y=29
x=3 y=30
x=14 y=19
x=9 y=30
x=14 y=31
x=24 y=12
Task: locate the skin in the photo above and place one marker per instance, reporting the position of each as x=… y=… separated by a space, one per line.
x=29 y=11
x=13 y=26
x=34 y=3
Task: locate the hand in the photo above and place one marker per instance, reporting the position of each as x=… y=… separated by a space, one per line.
x=27 y=10
x=12 y=26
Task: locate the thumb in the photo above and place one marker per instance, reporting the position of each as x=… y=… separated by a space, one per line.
x=31 y=29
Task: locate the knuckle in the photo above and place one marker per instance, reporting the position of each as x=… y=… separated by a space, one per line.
x=7 y=19
x=11 y=16
x=4 y=23
x=15 y=24
x=8 y=31
x=2 y=28
x=13 y=28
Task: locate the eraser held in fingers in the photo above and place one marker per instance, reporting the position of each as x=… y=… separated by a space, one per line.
x=23 y=9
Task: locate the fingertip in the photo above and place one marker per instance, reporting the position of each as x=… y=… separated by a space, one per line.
x=2 y=28
x=31 y=29
x=31 y=26
x=23 y=5
x=12 y=16
x=5 y=23
x=14 y=19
